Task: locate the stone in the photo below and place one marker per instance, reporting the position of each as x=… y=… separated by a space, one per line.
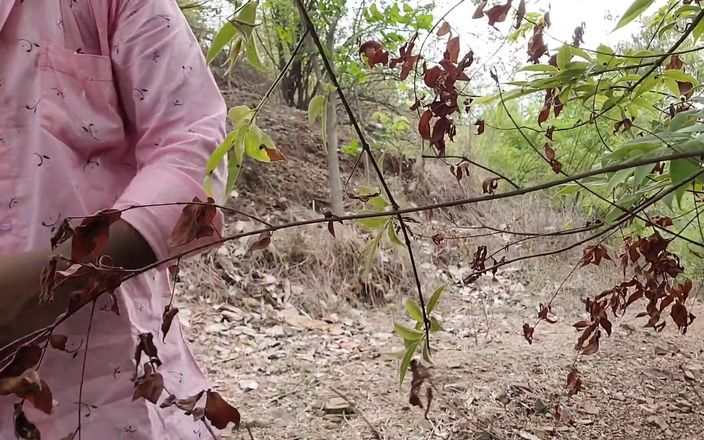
x=540 y=406
x=527 y=436
x=661 y=350
x=658 y=421
x=337 y=405
x=248 y=385
x=591 y=409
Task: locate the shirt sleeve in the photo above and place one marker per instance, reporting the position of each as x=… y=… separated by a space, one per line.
x=174 y=114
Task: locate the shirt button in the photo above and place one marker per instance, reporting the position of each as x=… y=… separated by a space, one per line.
x=6 y=226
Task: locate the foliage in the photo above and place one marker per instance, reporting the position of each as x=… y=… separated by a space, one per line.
x=641 y=104
x=620 y=127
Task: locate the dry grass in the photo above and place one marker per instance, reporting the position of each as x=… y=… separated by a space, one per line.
x=321 y=274
x=306 y=267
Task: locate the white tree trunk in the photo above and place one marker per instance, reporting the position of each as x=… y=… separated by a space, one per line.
x=333 y=162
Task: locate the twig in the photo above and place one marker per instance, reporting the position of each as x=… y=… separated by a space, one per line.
x=83 y=369
x=376 y=433
x=210 y=430
x=476 y=164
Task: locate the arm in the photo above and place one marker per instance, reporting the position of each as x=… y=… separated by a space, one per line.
x=177 y=125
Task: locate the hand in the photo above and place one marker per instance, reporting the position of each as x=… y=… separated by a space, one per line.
x=20 y=281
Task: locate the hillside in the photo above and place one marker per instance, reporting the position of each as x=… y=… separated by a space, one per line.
x=300 y=342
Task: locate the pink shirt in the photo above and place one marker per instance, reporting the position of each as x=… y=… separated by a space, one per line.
x=105 y=104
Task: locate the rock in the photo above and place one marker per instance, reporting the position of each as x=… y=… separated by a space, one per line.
x=585 y=422
x=296 y=320
x=456 y=387
x=275 y=331
x=244 y=330
x=248 y=385
x=527 y=435
x=337 y=405
x=694 y=368
x=661 y=351
x=618 y=396
x=628 y=327
x=688 y=375
x=658 y=421
x=683 y=406
x=217 y=327
x=231 y=316
x=502 y=397
x=540 y=406
x=591 y=409
x=657 y=373
x=333 y=418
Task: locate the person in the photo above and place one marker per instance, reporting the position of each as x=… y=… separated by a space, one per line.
x=103 y=104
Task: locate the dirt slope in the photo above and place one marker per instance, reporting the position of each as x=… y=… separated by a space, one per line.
x=282 y=368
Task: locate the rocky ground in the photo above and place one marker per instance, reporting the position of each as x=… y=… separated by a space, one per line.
x=294 y=377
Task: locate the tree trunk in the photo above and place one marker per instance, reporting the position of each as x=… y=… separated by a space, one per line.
x=333 y=161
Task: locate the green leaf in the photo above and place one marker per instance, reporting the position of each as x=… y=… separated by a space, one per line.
x=406 y=361
x=633 y=11
x=618 y=178
x=395 y=354
x=605 y=55
x=435 y=325
x=672 y=87
x=631 y=77
x=414 y=311
x=373 y=223
x=680 y=171
x=625 y=202
x=235 y=49
x=375 y=13
x=434 y=299
x=425 y=22
x=539 y=68
x=378 y=202
x=576 y=51
x=641 y=173
x=254 y=145
x=698 y=31
x=369 y=253
x=426 y=354
x=679 y=75
x=564 y=56
x=239 y=115
x=234 y=165
x=352 y=149
x=224 y=36
x=268 y=142
x=245 y=20
x=219 y=153
x=253 y=55
x=408 y=333
x=393 y=238
x=568 y=190
x=316 y=107
x=214 y=160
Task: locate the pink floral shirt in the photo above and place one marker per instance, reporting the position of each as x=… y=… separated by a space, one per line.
x=105 y=104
